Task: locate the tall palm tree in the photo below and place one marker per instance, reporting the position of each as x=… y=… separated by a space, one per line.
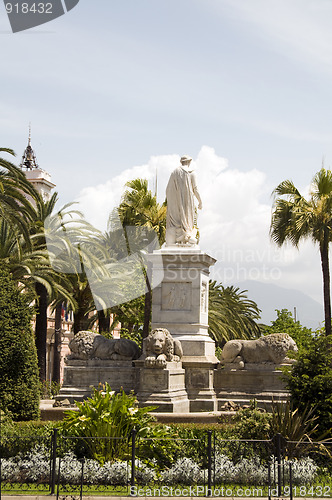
x=295 y=218
x=139 y=207
x=40 y=210
x=231 y=314
x=30 y=267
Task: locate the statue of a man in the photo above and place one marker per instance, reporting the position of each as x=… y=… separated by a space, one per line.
x=180 y=193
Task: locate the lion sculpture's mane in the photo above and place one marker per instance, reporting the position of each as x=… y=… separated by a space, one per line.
x=171 y=349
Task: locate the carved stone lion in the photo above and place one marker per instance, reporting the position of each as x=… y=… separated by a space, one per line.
x=269 y=349
x=89 y=345
x=160 y=347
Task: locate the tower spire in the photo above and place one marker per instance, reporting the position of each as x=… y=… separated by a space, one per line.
x=29 y=160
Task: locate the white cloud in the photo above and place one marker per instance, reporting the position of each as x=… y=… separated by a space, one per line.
x=96 y=202
x=234 y=222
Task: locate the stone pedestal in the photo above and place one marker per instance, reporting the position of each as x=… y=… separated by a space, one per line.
x=200 y=385
x=80 y=376
x=180 y=277
x=164 y=388
x=261 y=382
x=181 y=296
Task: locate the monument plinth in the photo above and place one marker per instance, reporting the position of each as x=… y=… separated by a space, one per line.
x=180 y=304
x=180 y=300
x=164 y=388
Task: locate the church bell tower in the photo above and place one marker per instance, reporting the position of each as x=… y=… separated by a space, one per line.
x=38 y=177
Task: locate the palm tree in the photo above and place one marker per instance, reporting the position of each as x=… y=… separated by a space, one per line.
x=14 y=187
x=28 y=258
x=295 y=218
x=139 y=207
x=40 y=210
x=30 y=267
x=231 y=314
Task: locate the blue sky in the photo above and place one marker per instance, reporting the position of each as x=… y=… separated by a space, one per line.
x=119 y=89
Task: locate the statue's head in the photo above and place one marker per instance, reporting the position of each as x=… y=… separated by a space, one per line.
x=160 y=341
x=185 y=160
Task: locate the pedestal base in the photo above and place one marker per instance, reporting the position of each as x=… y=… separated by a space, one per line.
x=199 y=384
x=260 y=382
x=80 y=376
x=164 y=388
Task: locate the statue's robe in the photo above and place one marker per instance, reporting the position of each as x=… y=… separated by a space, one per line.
x=180 y=204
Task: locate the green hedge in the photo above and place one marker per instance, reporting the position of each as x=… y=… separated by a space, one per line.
x=19 y=383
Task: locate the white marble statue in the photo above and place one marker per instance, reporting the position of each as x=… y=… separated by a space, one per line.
x=180 y=193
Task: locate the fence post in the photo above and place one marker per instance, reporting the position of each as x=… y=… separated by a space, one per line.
x=133 y=456
x=53 y=458
x=209 y=451
x=58 y=485
x=82 y=477
x=278 y=450
x=290 y=481
x=0 y=453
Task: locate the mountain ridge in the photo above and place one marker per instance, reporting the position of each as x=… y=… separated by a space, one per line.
x=270 y=297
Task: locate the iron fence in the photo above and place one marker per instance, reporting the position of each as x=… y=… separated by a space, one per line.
x=72 y=466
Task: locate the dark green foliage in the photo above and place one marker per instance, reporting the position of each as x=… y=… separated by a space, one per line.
x=252 y=423
x=285 y=324
x=48 y=390
x=21 y=437
x=231 y=314
x=107 y=415
x=19 y=383
x=295 y=426
x=134 y=335
x=310 y=381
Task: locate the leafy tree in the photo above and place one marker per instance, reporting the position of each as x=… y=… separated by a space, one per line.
x=231 y=314
x=19 y=384
x=310 y=381
x=295 y=218
x=285 y=323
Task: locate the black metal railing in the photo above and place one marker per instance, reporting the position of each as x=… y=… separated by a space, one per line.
x=68 y=469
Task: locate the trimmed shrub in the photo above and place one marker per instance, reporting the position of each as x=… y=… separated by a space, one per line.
x=21 y=437
x=19 y=382
x=310 y=382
